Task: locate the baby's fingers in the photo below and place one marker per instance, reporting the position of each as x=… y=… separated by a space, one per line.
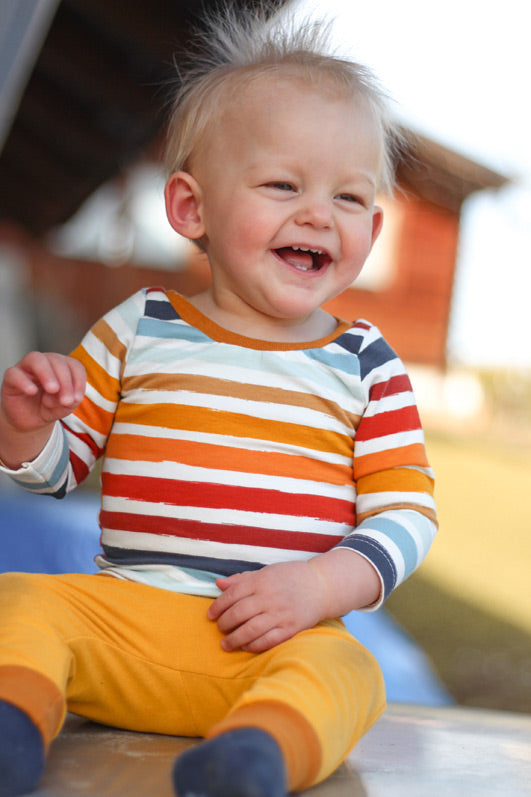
x=60 y=378
x=69 y=375
x=33 y=373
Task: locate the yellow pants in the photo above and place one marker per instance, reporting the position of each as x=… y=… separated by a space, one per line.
x=146 y=659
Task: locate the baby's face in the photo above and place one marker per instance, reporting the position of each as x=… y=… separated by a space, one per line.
x=288 y=179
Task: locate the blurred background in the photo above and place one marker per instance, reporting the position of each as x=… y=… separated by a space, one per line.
x=84 y=90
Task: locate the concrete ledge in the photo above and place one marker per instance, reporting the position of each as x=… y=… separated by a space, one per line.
x=411 y=752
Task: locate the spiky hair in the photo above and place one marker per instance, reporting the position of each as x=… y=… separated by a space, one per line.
x=232 y=48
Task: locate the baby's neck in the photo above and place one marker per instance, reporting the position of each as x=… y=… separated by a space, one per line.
x=260 y=327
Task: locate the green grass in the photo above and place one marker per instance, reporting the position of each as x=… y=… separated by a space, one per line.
x=469 y=605
x=483 y=661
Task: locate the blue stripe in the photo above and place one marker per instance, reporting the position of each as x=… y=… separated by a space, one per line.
x=61 y=492
x=376 y=554
x=399 y=535
x=160 y=328
x=224 y=567
x=128 y=312
x=63 y=463
x=291 y=364
x=376 y=354
x=43 y=488
x=338 y=361
x=351 y=341
x=164 y=311
x=57 y=477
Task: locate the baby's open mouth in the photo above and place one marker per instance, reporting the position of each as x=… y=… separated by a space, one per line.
x=303 y=258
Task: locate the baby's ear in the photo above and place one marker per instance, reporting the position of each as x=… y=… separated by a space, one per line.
x=183 y=202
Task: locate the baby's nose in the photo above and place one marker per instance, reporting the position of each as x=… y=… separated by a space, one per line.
x=316 y=213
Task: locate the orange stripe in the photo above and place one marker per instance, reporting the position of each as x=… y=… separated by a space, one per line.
x=196 y=318
x=38 y=696
x=105 y=384
x=106 y=334
x=96 y=418
x=414 y=454
x=396 y=480
x=423 y=510
x=205 y=455
x=210 y=386
x=109 y=338
x=176 y=416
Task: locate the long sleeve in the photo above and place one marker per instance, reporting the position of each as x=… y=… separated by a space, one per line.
x=79 y=439
x=395 y=508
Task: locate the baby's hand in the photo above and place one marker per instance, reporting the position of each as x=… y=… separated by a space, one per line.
x=260 y=609
x=41 y=389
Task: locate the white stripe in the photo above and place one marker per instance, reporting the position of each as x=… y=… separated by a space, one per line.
x=248 y=443
x=387 y=442
x=302 y=416
x=421 y=529
x=392 y=549
x=99 y=400
x=335 y=386
x=123 y=319
x=75 y=443
x=239 y=517
x=170 y=544
x=397 y=401
x=368 y=502
x=101 y=354
x=180 y=472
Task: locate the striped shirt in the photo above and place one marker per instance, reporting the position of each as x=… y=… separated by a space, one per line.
x=223 y=453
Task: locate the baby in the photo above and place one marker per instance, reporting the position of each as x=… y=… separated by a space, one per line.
x=264 y=470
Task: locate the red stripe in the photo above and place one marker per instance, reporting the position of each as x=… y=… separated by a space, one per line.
x=392 y=422
x=397 y=384
x=224 y=533
x=79 y=467
x=85 y=438
x=221 y=496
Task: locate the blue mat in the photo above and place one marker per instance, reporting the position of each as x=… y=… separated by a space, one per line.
x=41 y=535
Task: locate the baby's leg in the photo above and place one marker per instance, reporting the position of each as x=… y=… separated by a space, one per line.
x=34 y=667
x=315 y=696
x=114 y=651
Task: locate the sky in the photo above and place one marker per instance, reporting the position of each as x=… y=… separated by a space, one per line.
x=459 y=72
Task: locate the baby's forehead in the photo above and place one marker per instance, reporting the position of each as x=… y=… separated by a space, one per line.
x=273 y=121
x=247 y=100
x=276 y=84
x=261 y=95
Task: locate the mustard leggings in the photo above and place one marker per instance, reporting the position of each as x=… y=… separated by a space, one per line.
x=145 y=659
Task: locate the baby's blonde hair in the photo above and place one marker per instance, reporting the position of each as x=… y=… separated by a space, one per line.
x=234 y=48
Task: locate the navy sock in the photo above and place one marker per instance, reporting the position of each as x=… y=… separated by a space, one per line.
x=244 y=762
x=21 y=752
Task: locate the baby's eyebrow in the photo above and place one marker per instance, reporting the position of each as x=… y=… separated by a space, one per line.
x=362 y=176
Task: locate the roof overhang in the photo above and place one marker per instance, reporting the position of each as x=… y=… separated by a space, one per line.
x=83 y=89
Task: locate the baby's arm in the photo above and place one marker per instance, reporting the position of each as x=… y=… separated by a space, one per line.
x=260 y=609
x=35 y=393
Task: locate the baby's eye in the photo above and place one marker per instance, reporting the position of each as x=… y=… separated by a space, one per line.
x=281 y=186
x=350 y=198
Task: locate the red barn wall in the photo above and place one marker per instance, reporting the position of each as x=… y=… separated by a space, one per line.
x=413 y=309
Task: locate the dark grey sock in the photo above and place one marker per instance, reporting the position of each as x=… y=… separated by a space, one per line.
x=21 y=752
x=245 y=762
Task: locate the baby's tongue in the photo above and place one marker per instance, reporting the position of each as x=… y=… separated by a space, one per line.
x=296 y=258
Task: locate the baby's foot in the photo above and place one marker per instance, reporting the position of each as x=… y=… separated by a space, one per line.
x=245 y=762
x=21 y=752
